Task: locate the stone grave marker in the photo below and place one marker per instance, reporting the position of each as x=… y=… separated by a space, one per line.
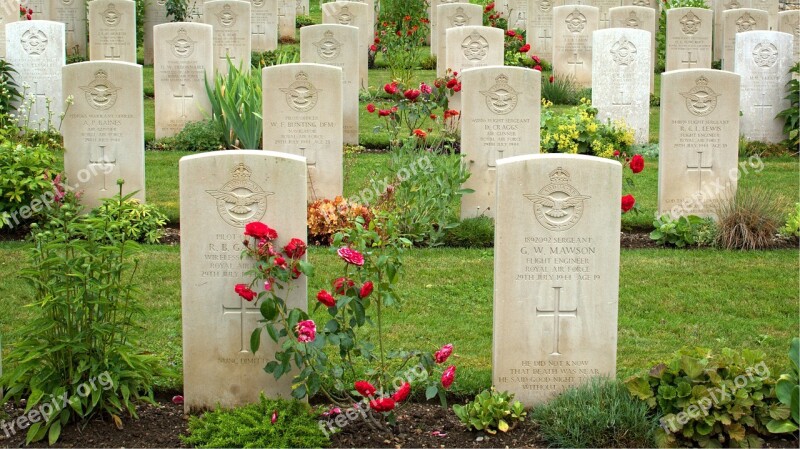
x=231 y=22
x=221 y=192
x=155 y=13
x=789 y=22
x=473 y=46
x=104 y=129
x=358 y=15
x=689 y=41
x=112 y=30
x=72 y=14
x=336 y=45
x=302 y=111
x=655 y=5
x=370 y=11
x=517 y=17
x=35 y=48
x=639 y=18
x=572 y=42
x=302 y=7
x=620 y=78
x=771 y=7
x=9 y=12
x=453 y=15
x=499 y=118
x=433 y=16
x=41 y=8
x=540 y=29
x=604 y=17
x=699 y=140
x=763 y=60
x=287 y=19
x=183 y=60
x=739 y=21
x=556 y=273
x=264 y=25
x=720 y=6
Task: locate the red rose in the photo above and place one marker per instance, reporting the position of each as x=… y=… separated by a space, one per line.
x=402 y=393
x=525 y=48
x=511 y=33
x=306 y=331
x=448 y=376
x=377 y=40
x=536 y=59
x=370 y=108
x=260 y=231
x=442 y=354
x=637 y=163
x=616 y=153
x=394 y=108
x=295 y=249
x=326 y=298
x=628 y=201
x=382 y=404
x=341 y=285
x=451 y=83
x=552 y=78
x=457 y=88
x=351 y=256
x=365 y=388
x=366 y=289
x=390 y=88
x=373 y=48
x=245 y=292
x=433 y=116
x=537 y=67
x=420 y=133
x=384 y=113
x=411 y=94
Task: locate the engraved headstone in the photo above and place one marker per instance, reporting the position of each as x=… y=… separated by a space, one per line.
x=719 y=7
x=72 y=13
x=231 y=22
x=572 y=45
x=433 y=16
x=155 y=13
x=287 y=20
x=771 y=7
x=652 y=4
x=9 y=12
x=540 y=29
x=336 y=45
x=604 y=17
x=689 y=44
x=302 y=111
x=358 y=15
x=699 y=140
x=517 y=17
x=453 y=15
x=104 y=129
x=738 y=21
x=556 y=273
x=221 y=192
x=370 y=12
x=620 y=78
x=264 y=25
x=789 y=22
x=763 y=60
x=302 y=7
x=638 y=18
x=35 y=48
x=183 y=61
x=41 y=8
x=500 y=118
x=112 y=30
x=473 y=46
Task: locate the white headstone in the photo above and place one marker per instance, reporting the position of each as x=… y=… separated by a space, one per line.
x=303 y=116
x=218 y=368
x=453 y=15
x=604 y=17
x=739 y=21
x=433 y=16
x=699 y=140
x=789 y=22
x=655 y=5
x=556 y=273
x=540 y=29
x=517 y=17
x=358 y=15
x=473 y=46
x=620 y=78
x=499 y=118
x=719 y=7
x=638 y=18
x=264 y=24
x=763 y=60
x=41 y=8
x=183 y=61
x=287 y=20
x=73 y=15
x=104 y=129
x=155 y=13
x=9 y=12
x=231 y=22
x=771 y=7
x=302 y=7
x=112 y=30
x=336 y=45
x=689 y=43
x=35 y=48
x=572 y=46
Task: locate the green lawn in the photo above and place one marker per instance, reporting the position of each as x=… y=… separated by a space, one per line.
x=668 y=299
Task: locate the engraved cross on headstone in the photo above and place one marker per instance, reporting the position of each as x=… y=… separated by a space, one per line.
x=699 y=168
x=225 y=56
x=70 y=30
x=242 y=311
x=575 y=63
x=689 y=61
x=183 y=96
x=620 y=101
x=604 y=20
x=545 y=35
x=37 y=92
x=258 y=30
x=498 y=154
x=763 y=104
x=311 y=159
x=556 y=313
x=111 y=54
x=105 y=162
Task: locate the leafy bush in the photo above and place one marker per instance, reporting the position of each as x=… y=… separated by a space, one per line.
x=9 y=93
x=560 y=90
x=24 y=178
x=428 y=62
x=748 y=220
x=787 y=391
x=792 y=226
x=301 y=21
x=138 y=222
x=80 y=346
x=599 y=413
x=491 y=411
x=327 y=217
x=236 y=106
x=283 y=55
x=477 y=232
x=251 y=426
x=577 y=130
x=195 y=136
x=791 y=115
x=399 y=41
x=748 y=148
x=688 y=230
x=710 y=400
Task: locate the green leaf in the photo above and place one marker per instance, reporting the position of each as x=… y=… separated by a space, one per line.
x=255 y=338
x=784 y=426
x=691 y=367
x=269 y=310
x=54 y=433
x=639 y=387
x=502 y=426
x=431 y=392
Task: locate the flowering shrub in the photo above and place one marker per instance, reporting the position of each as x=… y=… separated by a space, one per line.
x=493 y=18
x=577 y=130
x=399 y=43
x=516 y=50
x=327 y=217
x=25 y=13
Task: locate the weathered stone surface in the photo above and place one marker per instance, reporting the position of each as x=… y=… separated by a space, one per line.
x=112 y=30
x=689 y=41
x=572 y=45
x=738 y=21
x=231 y=22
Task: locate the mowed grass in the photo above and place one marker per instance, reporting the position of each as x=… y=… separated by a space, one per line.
x=668 y=299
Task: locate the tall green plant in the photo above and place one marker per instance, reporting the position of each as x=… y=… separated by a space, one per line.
x=9 y=93
x=788 y=392
x=236 y=106
x=791 y=115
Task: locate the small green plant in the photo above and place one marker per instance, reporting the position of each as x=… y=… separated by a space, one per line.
x=182 y=10
x=236 y=106
x=710 y=400
x=791 y=115
x=24 y=178
x=491 y=411
x=792 y=226
x=195 y=136
x=560 y=90
x=750 y=219
x=477 y=232
x=303 y=21
x=787 y=391
x=139 y=222
x=283 y=55
x=684 y=231
x=270 y=423
x=578 y=131
x=600 y=413
x=9 y=93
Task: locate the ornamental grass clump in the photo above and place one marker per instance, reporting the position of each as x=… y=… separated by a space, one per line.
x=748 y=220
